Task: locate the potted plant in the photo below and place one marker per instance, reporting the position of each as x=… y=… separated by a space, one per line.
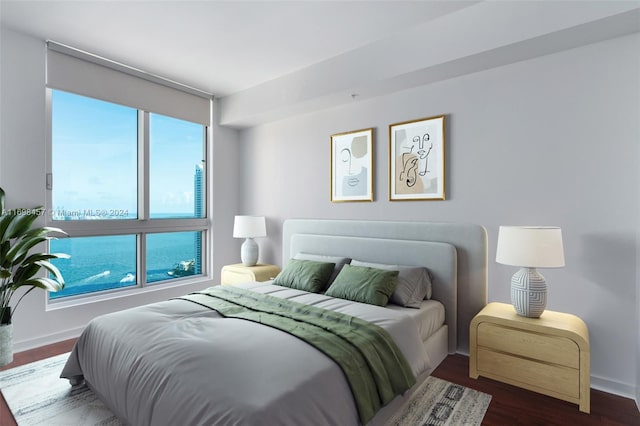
x=19 y=266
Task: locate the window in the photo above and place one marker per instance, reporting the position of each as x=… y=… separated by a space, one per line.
x=127 y=174
x=175 y=166
x=94 y=153
x=96 y=263
x=128 y=185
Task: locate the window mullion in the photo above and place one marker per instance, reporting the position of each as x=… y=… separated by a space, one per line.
x=205 y=174
x=143 y=193
x=143 y=165
x=142 y=259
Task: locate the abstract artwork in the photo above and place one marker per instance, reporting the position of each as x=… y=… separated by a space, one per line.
x=351 y=164
x=416 y=159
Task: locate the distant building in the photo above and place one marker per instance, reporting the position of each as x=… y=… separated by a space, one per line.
x=198 y=212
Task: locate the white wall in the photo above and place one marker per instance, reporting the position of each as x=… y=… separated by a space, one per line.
x=548 y=141
x=22 y=164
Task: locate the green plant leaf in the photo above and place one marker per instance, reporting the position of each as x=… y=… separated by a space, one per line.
x=18 y=252
x=54 y=229
x=42 y=231
x=26 y=242
x=43 y=283
x=33 y=233
x=59 y=256
x=53 y=269
x=20 y=225
x=4 y=249
x=1 y=201
x=25 y=271
x=45 y=256
x=31 y=265
x=5 y=221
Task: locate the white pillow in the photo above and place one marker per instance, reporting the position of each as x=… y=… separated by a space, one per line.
x=414 y=283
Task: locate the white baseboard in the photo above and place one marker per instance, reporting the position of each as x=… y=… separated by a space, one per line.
x=626 y=390
x=24 y=345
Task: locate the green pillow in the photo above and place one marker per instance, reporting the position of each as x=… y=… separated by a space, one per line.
x=307 y=275
x=363 y=284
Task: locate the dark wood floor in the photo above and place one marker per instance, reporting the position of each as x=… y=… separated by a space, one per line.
x=509 y=405
x=518 y=407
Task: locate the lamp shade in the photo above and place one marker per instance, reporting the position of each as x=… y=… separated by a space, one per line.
x=530 y=246
x=249 y=227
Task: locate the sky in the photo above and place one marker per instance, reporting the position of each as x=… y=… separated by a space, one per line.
x=94 y=158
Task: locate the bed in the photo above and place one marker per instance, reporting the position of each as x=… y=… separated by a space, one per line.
x=182 y=362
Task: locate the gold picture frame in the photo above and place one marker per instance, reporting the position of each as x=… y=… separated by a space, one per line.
x=417 y=159
x=352 y=166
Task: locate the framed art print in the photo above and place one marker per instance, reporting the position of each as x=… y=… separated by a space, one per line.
x=351 y=164
x=416 y=159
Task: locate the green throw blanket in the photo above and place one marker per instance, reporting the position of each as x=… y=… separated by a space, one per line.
x=371 y=361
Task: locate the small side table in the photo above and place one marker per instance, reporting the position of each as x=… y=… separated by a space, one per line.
x=239 y=273
x=548 y=355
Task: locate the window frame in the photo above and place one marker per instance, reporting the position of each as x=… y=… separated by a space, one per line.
x=139 y=227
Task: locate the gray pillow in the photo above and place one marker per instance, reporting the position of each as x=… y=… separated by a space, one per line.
x=414 y=283
x=307 y=275
x=338 y=260
x=363 y=284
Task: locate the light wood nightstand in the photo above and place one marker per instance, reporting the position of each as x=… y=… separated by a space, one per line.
x=549 y=355
x=238 y=273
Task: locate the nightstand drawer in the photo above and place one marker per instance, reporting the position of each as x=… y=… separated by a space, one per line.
x=529 y=374
x=546 y=348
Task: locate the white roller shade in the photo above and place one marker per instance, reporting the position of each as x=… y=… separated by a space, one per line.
x=79 y=72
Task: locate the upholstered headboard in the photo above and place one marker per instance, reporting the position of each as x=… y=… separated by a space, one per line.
x=456 y=254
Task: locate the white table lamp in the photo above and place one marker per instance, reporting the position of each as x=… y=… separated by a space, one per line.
x=249 y=227
x=529 y=247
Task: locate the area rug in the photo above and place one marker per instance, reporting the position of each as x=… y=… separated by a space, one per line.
x=440 y=403
x=37 y=396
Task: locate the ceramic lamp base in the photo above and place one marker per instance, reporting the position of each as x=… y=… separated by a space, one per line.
x=249 y=252
x=529 y=293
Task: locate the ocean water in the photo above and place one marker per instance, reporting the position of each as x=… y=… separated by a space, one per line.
x=101 y=263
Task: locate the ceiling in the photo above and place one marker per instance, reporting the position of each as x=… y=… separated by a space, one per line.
x=270 y=59
x=220 y=47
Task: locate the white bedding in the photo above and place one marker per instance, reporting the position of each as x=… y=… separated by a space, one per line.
x=176 y=362
x=427 y=320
